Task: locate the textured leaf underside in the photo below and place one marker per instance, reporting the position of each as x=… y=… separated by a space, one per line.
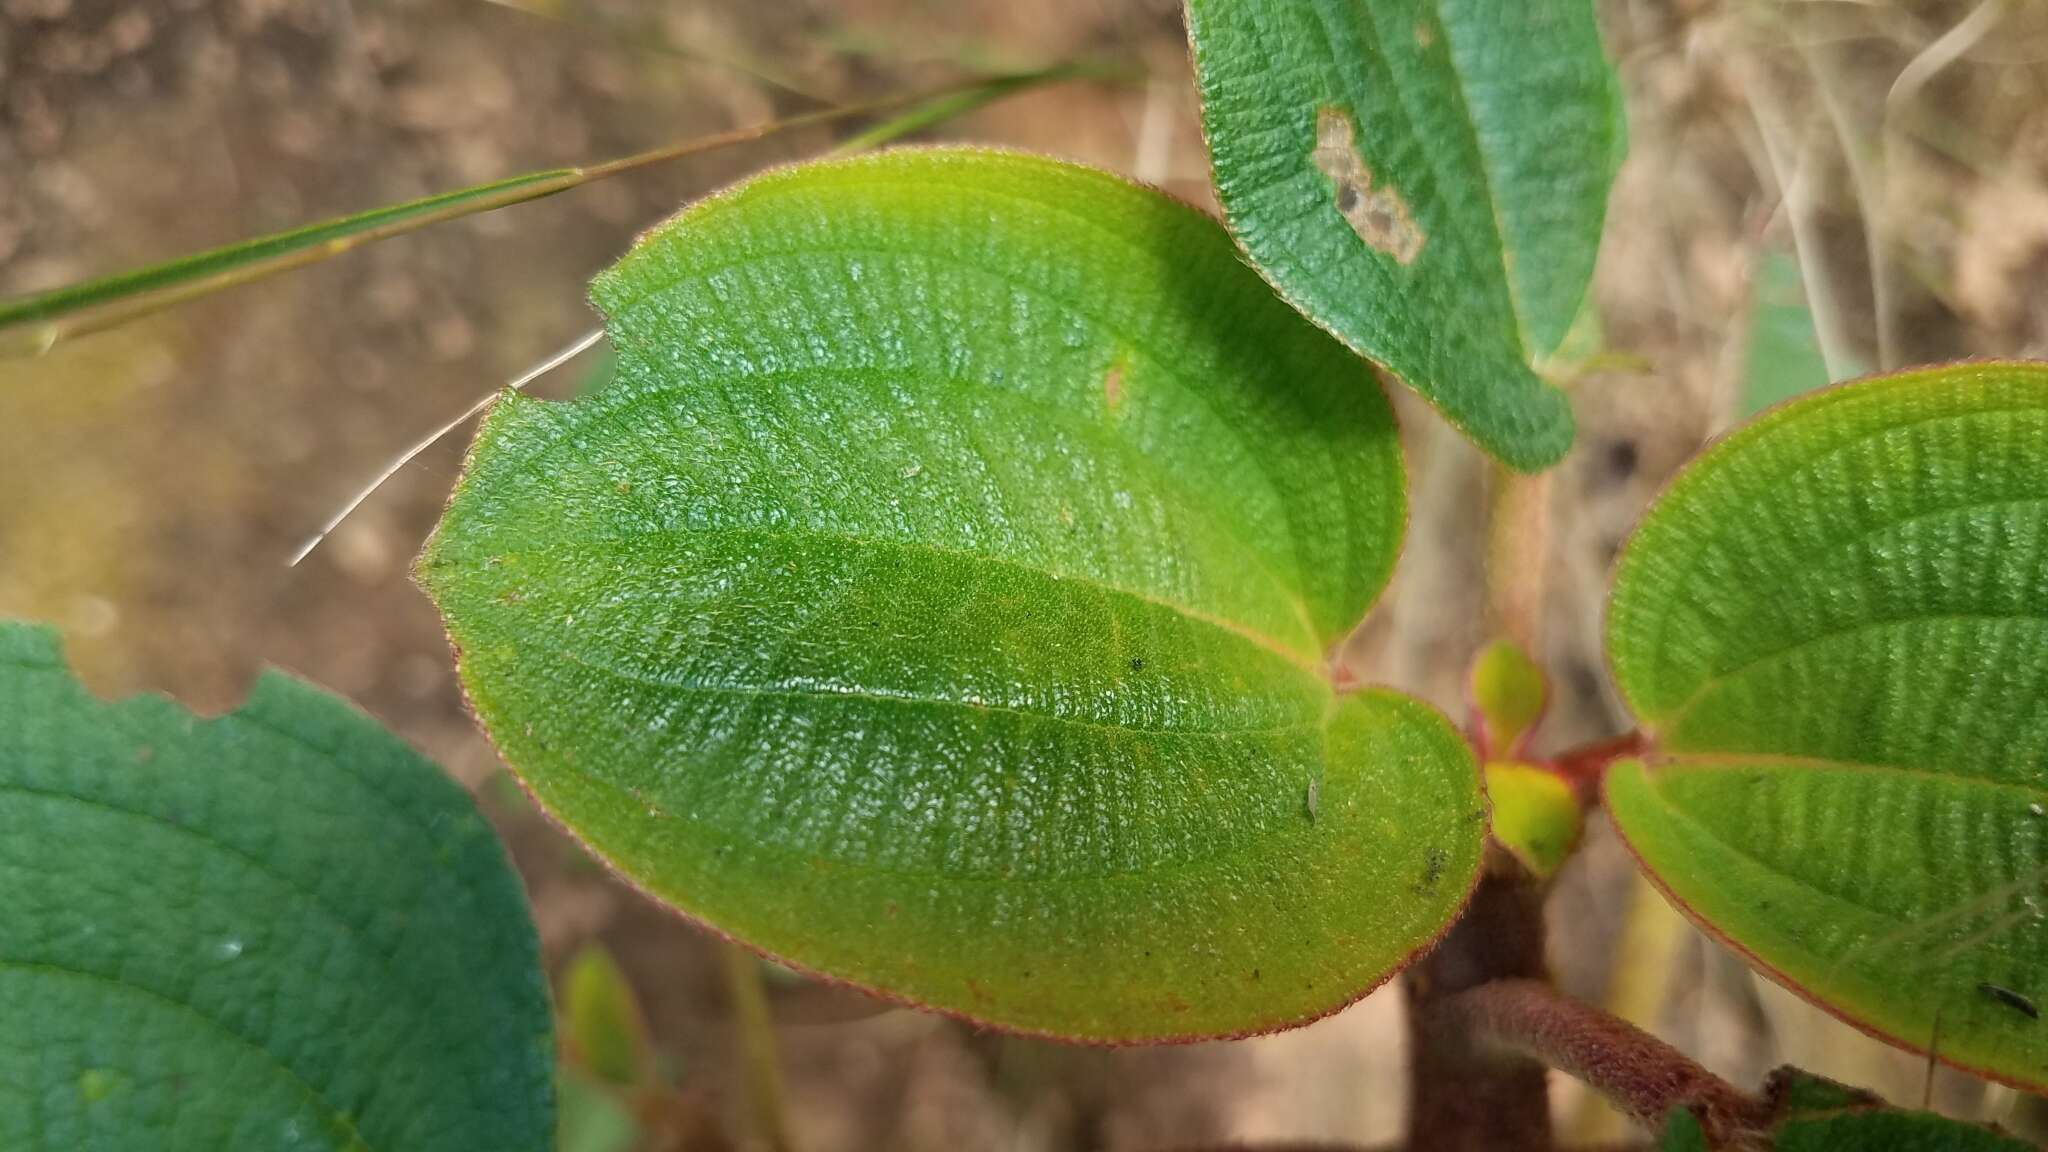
x=937 y=598
x=1835 y=626
x=1426 y=179
x=276 y=930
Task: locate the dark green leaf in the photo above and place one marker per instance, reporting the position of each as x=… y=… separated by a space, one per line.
x=1833 y=627
x=1682 y=1133
x=1425 y=180
x=1818 y=1115
x=1885 y=1130
x=938 y=597
x=279 y=929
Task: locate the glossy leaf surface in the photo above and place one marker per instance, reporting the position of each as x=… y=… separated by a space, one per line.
x=937 y=598
x=279 y=929
x=1833 y=627
x=1427 y=181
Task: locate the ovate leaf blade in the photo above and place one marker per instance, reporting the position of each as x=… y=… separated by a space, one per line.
x=1833 y=626
x=280 y=928
x=937 y=599
x=1427 y=181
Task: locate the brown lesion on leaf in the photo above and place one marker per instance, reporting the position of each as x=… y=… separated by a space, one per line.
x=1424 y=34
x=1377 y=214
x=1113 y=384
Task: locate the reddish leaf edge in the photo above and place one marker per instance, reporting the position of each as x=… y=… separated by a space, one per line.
x=981 y=1024
x=1715 y=933
x=1647 y=750
x=1722 y=442
x=1529 y=468
x=1340 y=675
x=902 y=1000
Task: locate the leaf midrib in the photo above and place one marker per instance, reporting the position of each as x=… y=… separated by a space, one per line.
x=1162 y=363
x=276 y=1063
x=1716 y=480
x=908 y=699
x=1701 y=760
x=616 y=417
x=1678 y=715
x=1489 y=181
x=1310 y=665
x=1242 y=849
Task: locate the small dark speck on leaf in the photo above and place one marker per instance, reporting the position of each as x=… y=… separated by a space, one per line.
x=1432 y=869
x=2011 y=999
x=1137 y=663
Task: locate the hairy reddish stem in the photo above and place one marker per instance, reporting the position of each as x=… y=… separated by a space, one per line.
x=1638 y=1073
x=1584 y=765
x=1465 y=1095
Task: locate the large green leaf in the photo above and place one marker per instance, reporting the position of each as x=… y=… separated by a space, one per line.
x=1426 y=179
x=1834 y=627
x=938 y=595
x=279 y=929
